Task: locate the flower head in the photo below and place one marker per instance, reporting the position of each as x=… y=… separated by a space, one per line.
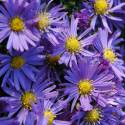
x=43 y=22
x=14 y=20
x=106 y=13
x=98 y=116
x=50 y=113
x=85 y=83
x=27 y=99
x=50 y=21
x=72 y=45
x=16 y=24
x=23 y=101
x=107 y=51
x=85 y=87
x=93 y=116
x=19 y=68
x=50 y=64
x=101 y=6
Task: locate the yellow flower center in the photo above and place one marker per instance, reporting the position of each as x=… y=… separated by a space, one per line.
x=27 y=99
x=17 y=62
x=100 y=6
x=50 y=116
x=53 y=60
x=85 y=87
x=43 y=21
x=109 y=55
x=93 y=116
x=17 y=24
x=72 y=44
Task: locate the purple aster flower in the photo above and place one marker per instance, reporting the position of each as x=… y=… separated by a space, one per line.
x=50 y=64
x=107 y=51
x=88 y=83
x=48 y=114
x=22 y=102
x=106 y=13
x=21 y=67
x=72 y=46
x=14 y=24
x=49 y=22
x=98 y=116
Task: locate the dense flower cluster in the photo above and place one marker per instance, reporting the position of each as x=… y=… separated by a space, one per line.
x=62 y=68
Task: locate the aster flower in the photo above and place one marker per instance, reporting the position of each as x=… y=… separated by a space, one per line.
x=88 y=83
x=49 y=22
x=14 y=24
x=72 y=46
x=50 y=64
x=106 y=13
x=21 y=102
x=98 y=116
x=48 y=114
x=108 y=52
x=21 y=67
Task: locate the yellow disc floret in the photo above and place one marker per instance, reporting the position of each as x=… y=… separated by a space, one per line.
x=17 y=62
x=101 y=6
x=109 y=55
x=93 y=116
x=49 y=116
x=85 y=87
x=43 y=21
x=53 y=60
x=72 y=44
x=17 y=24
x=27 y=99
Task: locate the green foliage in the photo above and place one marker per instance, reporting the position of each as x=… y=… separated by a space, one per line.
x=72 y=5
